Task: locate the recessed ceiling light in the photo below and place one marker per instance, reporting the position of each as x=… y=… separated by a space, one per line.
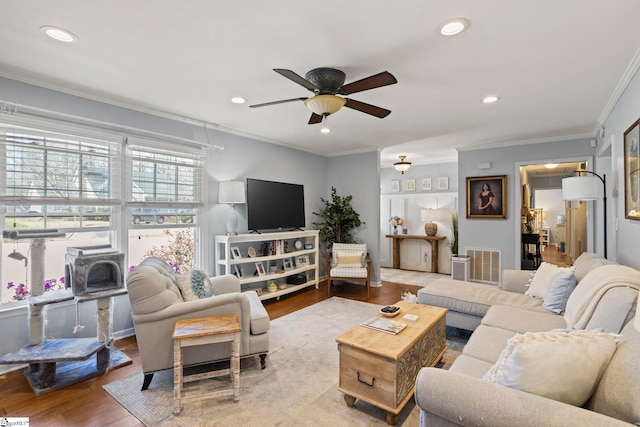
x=453 y=26
x=490 y=99
x=59 y=34
x=238 y=100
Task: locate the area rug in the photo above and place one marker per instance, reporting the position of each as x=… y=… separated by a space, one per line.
x=299 y=386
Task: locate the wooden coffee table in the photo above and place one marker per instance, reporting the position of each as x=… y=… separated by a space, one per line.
x=381 y=368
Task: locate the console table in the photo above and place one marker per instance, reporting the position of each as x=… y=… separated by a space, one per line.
x=433 y=240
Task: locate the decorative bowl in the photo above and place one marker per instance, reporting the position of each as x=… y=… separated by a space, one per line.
x=390 y=311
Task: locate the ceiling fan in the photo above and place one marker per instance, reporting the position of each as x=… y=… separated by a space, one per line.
x=327 y=84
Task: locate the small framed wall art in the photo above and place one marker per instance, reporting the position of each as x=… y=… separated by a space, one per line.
x=395 y=185
x=411 y=184
x=443 y=183
x=426 y=184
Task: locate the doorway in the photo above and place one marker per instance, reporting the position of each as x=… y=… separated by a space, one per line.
x=560 y=229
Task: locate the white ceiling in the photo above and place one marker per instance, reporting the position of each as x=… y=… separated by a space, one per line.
x=558 y=65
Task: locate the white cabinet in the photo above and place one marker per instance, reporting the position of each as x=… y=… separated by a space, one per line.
x=294 y=253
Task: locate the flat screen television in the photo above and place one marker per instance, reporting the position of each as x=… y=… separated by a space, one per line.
x=274 y=205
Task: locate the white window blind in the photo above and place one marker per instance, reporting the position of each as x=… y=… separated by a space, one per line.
x=164 y=175
x=49 y=168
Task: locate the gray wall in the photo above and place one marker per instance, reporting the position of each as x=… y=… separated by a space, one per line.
x=358 y=175
x=623 y=115
x=501 y=234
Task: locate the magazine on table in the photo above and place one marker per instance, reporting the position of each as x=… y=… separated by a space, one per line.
x=384 y=325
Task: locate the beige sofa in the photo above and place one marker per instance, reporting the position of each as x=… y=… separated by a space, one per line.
x=468 y=302
x=156 y=304
x=605 y=299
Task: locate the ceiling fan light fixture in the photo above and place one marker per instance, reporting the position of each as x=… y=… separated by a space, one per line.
x=323 y=105
x=238 y=100
x=402 y=166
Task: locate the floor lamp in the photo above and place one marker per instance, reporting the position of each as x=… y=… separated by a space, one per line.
x=584 y=187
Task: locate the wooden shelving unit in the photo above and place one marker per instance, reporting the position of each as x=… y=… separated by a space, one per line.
x=226 y=263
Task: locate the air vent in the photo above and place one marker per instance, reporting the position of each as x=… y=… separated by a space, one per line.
x=485 y=265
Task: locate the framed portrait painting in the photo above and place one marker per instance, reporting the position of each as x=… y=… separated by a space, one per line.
x=487 y=197
x=631 y=172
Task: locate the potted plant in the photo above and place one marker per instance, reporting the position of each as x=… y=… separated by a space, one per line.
x=340 y=220
x=454 y=234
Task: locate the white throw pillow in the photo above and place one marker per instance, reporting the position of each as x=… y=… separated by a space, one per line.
x=184 y=283
x=563 y=366
x=542 y=278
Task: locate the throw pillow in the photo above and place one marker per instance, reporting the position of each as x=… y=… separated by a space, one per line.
x=542 y=278
x=350 y=259
x=563 y=366
x=184 y=283
x=200 y=284
x=194 y=285
x=560 y=287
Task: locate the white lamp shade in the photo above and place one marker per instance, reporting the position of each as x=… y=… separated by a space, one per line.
x=429 y=215
x=232 y=192
x=581 y=188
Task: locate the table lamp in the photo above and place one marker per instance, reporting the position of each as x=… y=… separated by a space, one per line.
x=430 y=216
x=232 y=192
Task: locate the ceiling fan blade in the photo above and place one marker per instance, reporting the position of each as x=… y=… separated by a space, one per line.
x=315 y=119
x=367 y=108
x=296 y=78
x=384 y=78
x=277 y=102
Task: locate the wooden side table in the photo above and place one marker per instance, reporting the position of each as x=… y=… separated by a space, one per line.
x=199 y=331
x=433 y=240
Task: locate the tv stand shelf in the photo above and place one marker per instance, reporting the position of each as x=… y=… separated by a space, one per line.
x=226 y=263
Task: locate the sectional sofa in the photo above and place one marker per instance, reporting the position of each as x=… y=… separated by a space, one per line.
x=525 y=365
x=468 y=302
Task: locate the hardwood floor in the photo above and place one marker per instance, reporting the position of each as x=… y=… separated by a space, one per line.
x=553 y=255
x=86 y=403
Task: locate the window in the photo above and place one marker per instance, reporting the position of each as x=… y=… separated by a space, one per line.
x=163 y=201
x=54 y=180
x=99 y=188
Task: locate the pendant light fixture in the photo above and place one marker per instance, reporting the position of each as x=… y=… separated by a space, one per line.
x=402 y=166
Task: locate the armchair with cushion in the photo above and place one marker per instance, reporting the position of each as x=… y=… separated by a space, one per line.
x=157 y=302
x=349 y=261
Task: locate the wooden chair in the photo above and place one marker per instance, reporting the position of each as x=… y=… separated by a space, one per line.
x=349 y=262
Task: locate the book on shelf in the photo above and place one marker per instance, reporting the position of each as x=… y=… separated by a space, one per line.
x=384 y=325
